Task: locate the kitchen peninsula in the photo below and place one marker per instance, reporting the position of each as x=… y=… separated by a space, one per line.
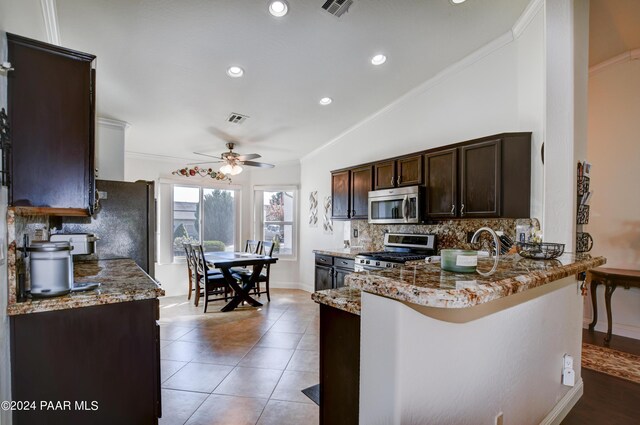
x=432 y=339
x=99 y=347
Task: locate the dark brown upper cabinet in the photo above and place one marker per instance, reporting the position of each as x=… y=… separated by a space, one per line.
x=480 y=179
x=406 y=171
x=441 y=170
x=361 y=183
x=51 y=102
x=384 y=174
x=340 y=194
x=487 y=177
x=350 y=193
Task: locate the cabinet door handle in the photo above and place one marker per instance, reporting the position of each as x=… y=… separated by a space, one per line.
x=398 y=181
x=453 y=209
x=353 y=213
x=391 y=180
x=462 y=209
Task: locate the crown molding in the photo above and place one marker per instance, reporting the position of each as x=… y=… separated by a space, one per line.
x=50 y=16
x=516 y=31
x=527 y=16
x=623 y=57
x=108 y=122
x=156 y=157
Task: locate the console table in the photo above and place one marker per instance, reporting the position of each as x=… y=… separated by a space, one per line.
x=610 y=278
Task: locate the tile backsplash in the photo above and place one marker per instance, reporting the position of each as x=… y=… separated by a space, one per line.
x=450 y=233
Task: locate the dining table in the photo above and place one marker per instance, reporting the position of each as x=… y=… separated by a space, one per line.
x=225 y=260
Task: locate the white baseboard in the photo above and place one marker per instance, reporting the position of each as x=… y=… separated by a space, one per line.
x=564 y=406
x=621 y=329
x=285 y=285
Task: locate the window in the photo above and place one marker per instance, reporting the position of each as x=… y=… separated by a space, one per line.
x=204 y=215
x=276 y=219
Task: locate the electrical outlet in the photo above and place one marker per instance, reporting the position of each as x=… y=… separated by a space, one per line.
x=355 y=233
x=567 y=362
x=500 y=419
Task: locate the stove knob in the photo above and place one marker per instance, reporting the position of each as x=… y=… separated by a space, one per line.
x=367 y=261
x=377 y=263
x=388 y=264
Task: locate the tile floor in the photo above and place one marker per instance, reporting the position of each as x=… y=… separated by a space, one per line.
x=243 y=367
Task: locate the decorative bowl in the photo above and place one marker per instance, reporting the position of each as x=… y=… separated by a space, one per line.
x=539 y=251
x=459 y=260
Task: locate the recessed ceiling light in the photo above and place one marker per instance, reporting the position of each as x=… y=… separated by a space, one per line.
x=325 y=101
x=378 y=59
x=457 y=1
x=278 y=8
x=235 y=71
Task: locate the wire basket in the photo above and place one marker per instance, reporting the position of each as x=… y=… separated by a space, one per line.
x=540 y=251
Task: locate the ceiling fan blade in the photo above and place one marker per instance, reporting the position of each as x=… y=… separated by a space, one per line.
x=249 y=156
x=205 y=162
x=257 y=164
x=207 y=155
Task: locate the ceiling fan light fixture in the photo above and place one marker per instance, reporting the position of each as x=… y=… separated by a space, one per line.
x=325 y=101
x=278 y=8
x=457 y=1
x=226 y=169
x=235 y=170
x=378 y=59
x=235 y=72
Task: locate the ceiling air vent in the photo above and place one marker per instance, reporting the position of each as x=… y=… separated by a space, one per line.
x=236 y=118
x=337 y=7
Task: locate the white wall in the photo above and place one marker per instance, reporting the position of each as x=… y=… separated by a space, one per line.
x=497 y=89
x=110 y=141
x=614 y=151
x=5 y=366
x=173 y=276
x=467 y=373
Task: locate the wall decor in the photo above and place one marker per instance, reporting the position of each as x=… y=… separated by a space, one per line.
x=313 y=209
x=327 y=223
x=202 y=172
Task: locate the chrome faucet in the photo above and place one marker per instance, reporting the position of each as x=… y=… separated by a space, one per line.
x=496 y=241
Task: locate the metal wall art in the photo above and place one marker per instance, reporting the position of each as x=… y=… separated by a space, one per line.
x=202 y=172
x=313 y=209
x=327 y=224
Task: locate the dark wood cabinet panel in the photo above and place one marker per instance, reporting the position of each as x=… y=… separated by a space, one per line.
x=108 y=354
x=340 y=194
x=331 y=271
x=324 y=277
x=339 y=366
x=480 y=174
x=52 y=116
x=384 y=175
x=409 y=171
x=361 y=184
x=442 y=184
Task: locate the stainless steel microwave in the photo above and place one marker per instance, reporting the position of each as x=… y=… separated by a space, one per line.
x=399 y=205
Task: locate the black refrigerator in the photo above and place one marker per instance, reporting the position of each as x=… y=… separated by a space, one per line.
x=125 y=222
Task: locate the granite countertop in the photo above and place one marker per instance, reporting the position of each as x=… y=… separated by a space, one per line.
x=121 y=280
x=427 y=285
x=342 y=253
x=345 y=298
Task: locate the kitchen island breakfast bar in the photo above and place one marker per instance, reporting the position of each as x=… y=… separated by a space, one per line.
x=431 y=346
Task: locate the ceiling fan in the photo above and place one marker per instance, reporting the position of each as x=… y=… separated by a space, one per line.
x=232 y=161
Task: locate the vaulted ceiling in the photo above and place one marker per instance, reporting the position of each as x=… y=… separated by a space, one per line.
x=162 y=64
x=614 y=28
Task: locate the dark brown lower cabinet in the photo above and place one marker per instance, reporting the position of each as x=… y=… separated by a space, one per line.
x=331 y=271
x=339 y=366
x=91 y=365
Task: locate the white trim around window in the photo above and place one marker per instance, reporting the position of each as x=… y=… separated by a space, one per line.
x=258 y=216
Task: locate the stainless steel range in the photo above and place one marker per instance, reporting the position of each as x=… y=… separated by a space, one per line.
x=398 y=249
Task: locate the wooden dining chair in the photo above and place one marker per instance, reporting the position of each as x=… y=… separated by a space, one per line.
x=251 y=247
x=266 y=248
x=211 y=282
x=191 y=267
